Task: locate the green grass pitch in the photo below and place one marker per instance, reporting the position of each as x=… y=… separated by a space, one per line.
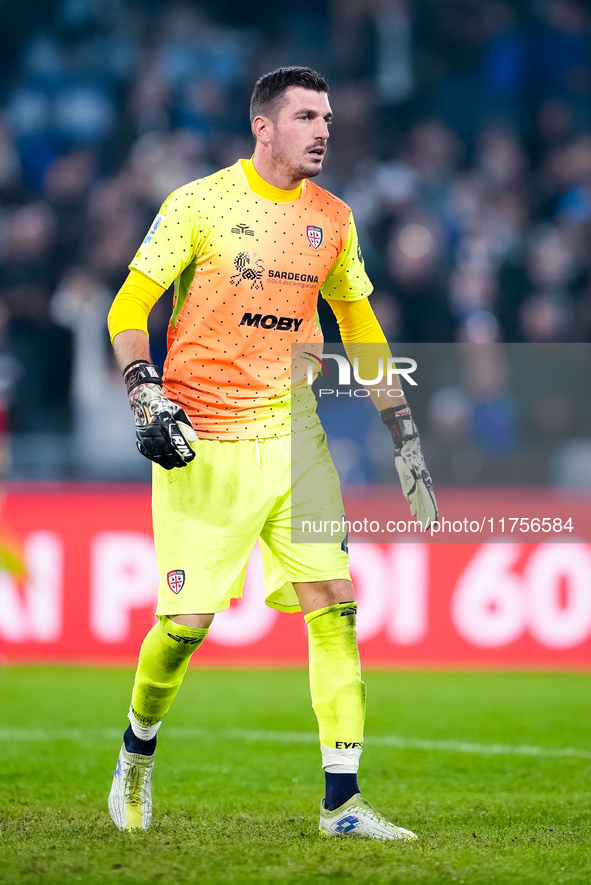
x=492 y=770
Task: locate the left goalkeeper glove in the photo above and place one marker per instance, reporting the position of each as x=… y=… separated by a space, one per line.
x=415 y=479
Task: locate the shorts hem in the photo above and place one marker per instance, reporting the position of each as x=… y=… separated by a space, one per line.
x=288 y=607
x=279 y=606
x=214 y=610
x=344 y=575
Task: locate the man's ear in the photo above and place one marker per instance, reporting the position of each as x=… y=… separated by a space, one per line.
x=262 y=129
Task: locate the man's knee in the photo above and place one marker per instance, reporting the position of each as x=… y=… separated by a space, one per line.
x=198 y=622
x=314 y=595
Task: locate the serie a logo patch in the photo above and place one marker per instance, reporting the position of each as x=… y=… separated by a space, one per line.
x=314 y=235
x=176 y=580
x=155 y=225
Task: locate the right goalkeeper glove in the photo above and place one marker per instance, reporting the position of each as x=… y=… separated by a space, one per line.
x=162 y=429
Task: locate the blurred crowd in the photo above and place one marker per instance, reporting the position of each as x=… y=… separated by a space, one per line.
x=461 y=139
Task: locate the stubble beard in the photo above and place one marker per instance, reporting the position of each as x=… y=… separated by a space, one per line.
x=282 y=163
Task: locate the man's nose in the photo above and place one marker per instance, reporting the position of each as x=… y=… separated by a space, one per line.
x=323 y=131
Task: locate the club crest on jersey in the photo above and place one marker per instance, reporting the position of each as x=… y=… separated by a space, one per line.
x=314 y=235
x=176 y=580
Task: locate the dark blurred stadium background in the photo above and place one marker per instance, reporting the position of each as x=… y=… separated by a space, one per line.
x=462 y=141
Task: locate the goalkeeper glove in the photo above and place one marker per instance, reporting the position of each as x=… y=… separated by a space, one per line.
x=415 y=479
x=162 y=429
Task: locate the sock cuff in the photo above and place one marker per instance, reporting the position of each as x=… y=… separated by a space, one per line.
x=341 y=761
x=341 y=608
x=145 y=730
x=174 y=634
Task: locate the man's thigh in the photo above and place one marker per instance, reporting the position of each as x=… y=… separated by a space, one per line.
x=305 y=529
x=207 y=517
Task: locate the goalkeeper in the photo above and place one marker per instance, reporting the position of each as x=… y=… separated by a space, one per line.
x=235 y=438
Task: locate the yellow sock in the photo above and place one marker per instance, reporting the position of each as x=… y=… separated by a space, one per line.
x=338 y=694
x=163 y=661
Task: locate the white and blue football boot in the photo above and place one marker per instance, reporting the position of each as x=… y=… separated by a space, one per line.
x=130 y=799
x=358 y=818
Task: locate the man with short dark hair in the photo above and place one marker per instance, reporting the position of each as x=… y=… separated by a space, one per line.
x=269 y=93
x=234 y=435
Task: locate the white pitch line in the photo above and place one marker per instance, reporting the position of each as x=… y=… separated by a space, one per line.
x=87 y=735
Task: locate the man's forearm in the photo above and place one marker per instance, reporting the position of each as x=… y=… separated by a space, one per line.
x=131 y=345
x=364 y=341
x=368 y=360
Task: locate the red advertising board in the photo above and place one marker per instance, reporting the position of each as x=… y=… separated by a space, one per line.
x=89 y=594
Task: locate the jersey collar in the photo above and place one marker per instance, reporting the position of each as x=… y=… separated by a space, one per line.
x=263 y=189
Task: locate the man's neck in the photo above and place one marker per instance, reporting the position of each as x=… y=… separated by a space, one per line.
x=282 y=179
x=264 y=188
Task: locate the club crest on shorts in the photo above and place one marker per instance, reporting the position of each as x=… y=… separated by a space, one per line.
x=314 y=235
x=176 y=580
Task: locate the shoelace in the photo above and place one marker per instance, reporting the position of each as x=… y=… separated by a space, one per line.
x=371 y=812
x=135 y=785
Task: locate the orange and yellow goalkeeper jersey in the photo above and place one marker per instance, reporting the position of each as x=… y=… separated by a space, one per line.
x=247 y=261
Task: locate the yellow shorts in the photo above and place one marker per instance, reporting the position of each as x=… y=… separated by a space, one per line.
x=209 y=515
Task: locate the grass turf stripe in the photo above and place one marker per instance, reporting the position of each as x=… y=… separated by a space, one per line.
x=84 y=735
